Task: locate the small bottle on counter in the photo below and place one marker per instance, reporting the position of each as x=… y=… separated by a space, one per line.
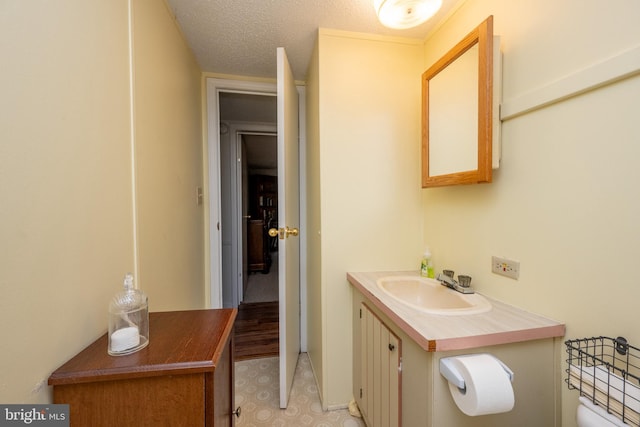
x=426 y=266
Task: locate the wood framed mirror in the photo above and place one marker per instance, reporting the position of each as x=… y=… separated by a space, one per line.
x=457 y=112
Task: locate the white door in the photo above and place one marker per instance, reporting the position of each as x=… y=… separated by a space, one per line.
x=288 y=223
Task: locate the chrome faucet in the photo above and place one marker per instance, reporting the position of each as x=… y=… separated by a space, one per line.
x=450 y=282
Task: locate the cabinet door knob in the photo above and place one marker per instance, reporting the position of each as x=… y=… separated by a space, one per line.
x=237 y=412
x=392 y=347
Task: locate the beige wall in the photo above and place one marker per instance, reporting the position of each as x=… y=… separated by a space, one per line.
x=315 y=312
x=369 y=194
x=168 y=141
x=66 y=217
x=564 y=200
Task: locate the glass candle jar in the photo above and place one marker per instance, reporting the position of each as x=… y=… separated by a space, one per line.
x=128 y=320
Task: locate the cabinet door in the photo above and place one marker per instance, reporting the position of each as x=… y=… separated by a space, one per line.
x=381 y=376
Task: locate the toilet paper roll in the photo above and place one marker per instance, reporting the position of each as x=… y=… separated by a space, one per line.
x=487 y=386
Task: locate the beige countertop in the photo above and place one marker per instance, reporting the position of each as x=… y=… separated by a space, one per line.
x=501 y=325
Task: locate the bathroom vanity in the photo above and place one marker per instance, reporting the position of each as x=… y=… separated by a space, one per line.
x=183 y=377
x=397 y=349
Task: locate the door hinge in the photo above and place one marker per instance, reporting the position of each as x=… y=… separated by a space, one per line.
x=361 y=313
x=360 y=393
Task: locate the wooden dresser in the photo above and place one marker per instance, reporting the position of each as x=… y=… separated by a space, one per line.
x=258 y=249
x=184 y=377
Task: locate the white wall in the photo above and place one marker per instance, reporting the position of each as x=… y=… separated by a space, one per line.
x=369 y=192
x=66 y=216
x=564 y=201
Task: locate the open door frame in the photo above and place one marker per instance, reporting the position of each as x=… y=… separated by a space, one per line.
x=213 y=244
x=213 y=218
x=237 y=277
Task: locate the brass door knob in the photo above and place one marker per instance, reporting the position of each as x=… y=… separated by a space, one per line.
x=273 y=232
x=283 y=232
x=237 y=412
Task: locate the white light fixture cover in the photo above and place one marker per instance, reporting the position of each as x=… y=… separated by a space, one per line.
x=402 y=14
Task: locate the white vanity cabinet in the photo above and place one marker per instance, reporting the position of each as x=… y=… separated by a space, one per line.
x=424 y=398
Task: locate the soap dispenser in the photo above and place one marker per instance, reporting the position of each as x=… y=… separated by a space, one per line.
x=128 y=320
x=426 y=265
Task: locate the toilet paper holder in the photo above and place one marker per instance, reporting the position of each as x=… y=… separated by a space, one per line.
x=451 y=373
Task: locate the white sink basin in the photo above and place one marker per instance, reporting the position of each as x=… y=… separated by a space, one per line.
x=429 y=296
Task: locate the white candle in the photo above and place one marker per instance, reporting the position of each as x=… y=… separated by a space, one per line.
x=124 y=339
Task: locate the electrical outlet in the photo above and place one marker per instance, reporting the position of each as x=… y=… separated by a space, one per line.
x=505 y=267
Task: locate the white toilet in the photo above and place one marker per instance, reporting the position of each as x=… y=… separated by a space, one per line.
x=591 y=415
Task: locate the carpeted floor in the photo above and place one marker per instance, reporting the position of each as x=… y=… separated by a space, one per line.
x=263 y=287
x=257 y=393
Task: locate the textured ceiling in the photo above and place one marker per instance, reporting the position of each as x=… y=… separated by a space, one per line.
x=240 y=37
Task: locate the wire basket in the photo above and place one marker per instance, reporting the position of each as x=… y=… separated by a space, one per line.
x=606 y=371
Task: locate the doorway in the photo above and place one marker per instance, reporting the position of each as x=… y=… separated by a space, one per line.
x=249 y=201
x=248 y=154
x=260 y=214
x=222 y=162
x=291 y=154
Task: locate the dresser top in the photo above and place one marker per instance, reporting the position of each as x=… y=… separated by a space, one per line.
x=180 y=342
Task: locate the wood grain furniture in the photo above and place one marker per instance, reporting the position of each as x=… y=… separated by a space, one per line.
x=258 y=247
x=184 y=377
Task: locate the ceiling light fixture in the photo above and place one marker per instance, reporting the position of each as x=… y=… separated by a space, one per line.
x=402 y=14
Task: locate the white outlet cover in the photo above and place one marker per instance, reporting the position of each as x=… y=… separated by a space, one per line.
x=505 y=267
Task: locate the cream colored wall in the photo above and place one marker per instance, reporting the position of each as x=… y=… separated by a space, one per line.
x=369 y=103
x=168 y=140
x=66 y=217
x=564 y=201
x=315 y=310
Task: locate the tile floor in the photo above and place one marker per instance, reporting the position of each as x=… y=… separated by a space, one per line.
x=257 y=393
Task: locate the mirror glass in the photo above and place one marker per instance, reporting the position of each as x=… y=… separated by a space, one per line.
x=457 y=102
x=453 y=100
